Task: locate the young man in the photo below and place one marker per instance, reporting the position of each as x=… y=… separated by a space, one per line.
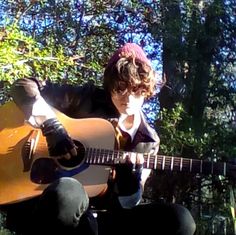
x=64 y=207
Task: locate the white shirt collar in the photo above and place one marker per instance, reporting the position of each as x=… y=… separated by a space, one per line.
x=131 y=131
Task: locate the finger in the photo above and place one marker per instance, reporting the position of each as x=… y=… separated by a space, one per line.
x=121 y=160
x=139 y=158
x=154 y=150
x=73 y=152
x=133 y=158
x=124 y=159
x=66 y=156
x=136 y=158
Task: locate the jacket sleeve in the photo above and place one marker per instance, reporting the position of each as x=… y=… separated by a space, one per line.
x=36 y=98
x=25 y=92
x=82 y=101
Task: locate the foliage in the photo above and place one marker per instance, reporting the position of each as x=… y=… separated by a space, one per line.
x=209 y=194
x=177 y=136
x=22 y=57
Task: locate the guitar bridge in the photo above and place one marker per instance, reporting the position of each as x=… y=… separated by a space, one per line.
x=28 y=149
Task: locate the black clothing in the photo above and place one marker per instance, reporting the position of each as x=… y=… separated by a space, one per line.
x=152 y=219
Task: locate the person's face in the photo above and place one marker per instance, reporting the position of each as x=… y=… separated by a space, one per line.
x=127 y=102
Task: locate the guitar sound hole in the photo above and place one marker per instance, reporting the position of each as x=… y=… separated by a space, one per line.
x=74 y=161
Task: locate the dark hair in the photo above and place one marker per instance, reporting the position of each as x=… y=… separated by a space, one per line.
x=130 y=73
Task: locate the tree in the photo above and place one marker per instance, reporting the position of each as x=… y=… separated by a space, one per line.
x=198 y=101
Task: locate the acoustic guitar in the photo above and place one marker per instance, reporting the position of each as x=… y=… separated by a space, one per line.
x=26 y=168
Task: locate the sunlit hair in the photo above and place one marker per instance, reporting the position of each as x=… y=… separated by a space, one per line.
x=131 y=74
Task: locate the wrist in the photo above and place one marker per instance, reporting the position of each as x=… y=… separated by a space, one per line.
x=51 y=126
x=132 y=200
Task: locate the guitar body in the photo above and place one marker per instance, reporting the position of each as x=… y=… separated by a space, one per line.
x=22 y=147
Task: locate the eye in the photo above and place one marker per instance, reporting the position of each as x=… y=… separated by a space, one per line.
x=122 y=86
x=119 y=92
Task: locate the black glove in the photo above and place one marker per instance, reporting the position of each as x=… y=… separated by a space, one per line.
x=58 y=141
x=128 y=177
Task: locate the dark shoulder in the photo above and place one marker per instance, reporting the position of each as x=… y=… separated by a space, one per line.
x=82 y=101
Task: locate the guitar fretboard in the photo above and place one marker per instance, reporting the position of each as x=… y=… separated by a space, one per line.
x=156 y=162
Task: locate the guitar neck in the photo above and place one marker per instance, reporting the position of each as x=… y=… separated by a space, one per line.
x=179 y=164
x=157 y=162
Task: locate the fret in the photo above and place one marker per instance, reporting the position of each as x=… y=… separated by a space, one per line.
x=87 y=155
x=94 y=160
x=178 y=164
x=191 y=165
x=155 y=162
x=172 y=163
x=158 y=162
x=91 y=156
x=151 y=161
x=94 y=156
x=97 y=153
x=106 y=157
x=148 y=160
x=181 y=164
x=98 y=158
x=112 y=157
x=168 y=162
x=163 y=163
x=105 y=153
x=94 y=152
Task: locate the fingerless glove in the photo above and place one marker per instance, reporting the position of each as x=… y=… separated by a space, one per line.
x=128 y=178
x=58 y=140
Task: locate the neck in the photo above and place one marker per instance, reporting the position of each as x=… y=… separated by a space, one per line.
x=128 y=121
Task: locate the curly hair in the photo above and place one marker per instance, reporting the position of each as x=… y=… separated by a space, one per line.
x=132 y=74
